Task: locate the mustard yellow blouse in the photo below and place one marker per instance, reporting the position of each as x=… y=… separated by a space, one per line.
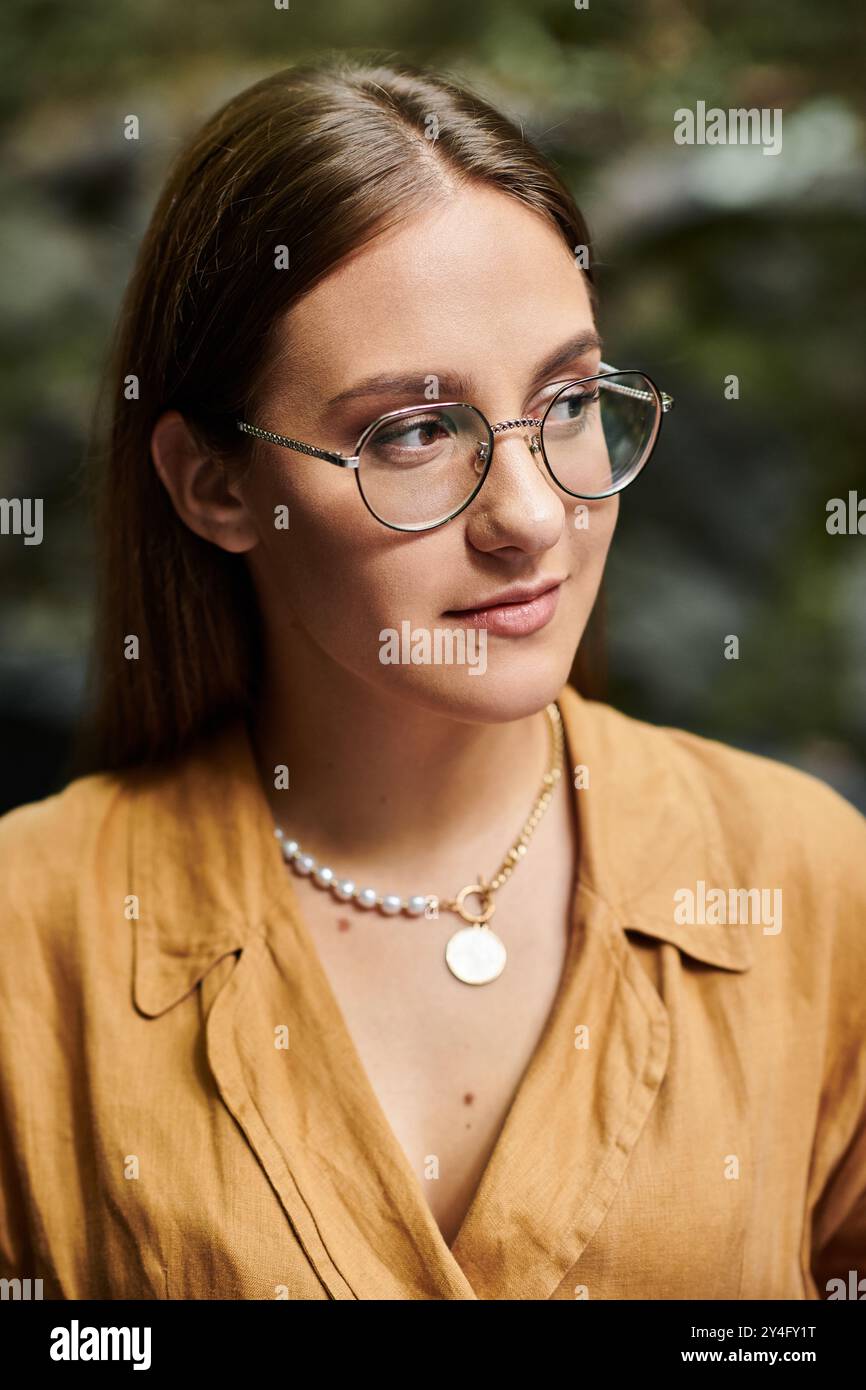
x=691 y=1125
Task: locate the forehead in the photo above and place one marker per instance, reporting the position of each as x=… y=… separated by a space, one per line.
x=476 y=278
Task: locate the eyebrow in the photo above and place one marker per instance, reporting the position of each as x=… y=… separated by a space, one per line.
x=456 y=384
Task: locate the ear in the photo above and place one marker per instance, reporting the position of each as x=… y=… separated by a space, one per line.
x=202 y=494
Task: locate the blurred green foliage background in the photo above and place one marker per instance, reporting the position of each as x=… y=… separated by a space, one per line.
x=711 y=261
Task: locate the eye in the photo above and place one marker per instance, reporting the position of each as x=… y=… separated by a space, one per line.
x=573 y=408
x=417 y=439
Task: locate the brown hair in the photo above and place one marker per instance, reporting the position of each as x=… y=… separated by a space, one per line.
x=319 y=158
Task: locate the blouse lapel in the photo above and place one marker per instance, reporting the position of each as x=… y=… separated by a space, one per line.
x=575 y=1119
x=596 y=1075
x=308 y=1111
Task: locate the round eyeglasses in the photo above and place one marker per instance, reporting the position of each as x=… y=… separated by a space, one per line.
x=418 y=467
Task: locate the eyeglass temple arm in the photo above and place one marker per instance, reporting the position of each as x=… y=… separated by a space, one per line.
x=340 y=460
x=667 y=401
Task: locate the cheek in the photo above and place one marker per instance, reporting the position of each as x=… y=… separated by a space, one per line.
x=590 y=530
x=334 y=570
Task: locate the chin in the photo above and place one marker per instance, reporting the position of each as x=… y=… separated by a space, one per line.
x=513 y=685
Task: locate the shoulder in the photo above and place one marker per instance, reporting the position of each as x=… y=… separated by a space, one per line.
x=67 y=862
x=760 y=806
x=681 y=808
x=50 y=833
x=750 y=804
x=49 y=850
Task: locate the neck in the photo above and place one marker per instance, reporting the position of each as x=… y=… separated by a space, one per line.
x=378 y=779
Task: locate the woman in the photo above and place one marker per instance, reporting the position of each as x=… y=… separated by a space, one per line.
x=371 y=960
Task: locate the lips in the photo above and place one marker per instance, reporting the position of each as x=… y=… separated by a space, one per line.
x=518 y=593
x=516 y=612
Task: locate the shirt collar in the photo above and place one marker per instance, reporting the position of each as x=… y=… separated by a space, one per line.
x=205 y=866
x=649 y=826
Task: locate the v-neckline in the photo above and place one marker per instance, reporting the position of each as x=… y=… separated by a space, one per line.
x=350 y=1048
x=557 y=1158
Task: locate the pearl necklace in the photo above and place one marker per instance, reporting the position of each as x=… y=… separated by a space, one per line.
x=474 y=954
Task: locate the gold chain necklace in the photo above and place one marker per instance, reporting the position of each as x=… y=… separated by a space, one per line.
x=474 y=954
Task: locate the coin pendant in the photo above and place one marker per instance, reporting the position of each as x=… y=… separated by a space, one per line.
x=475 y=955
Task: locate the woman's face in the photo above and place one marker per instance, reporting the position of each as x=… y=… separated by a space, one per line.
x=476 y=294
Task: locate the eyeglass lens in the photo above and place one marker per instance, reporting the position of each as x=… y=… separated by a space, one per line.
x=419 y=469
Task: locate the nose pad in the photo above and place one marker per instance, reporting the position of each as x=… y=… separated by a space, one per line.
x=534 y=443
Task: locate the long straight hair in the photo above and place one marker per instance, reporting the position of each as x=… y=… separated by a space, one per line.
x=308 y=164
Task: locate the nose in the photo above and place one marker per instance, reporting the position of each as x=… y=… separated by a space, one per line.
x=518 y=507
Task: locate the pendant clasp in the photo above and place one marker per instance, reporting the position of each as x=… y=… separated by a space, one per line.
x=477 y=919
